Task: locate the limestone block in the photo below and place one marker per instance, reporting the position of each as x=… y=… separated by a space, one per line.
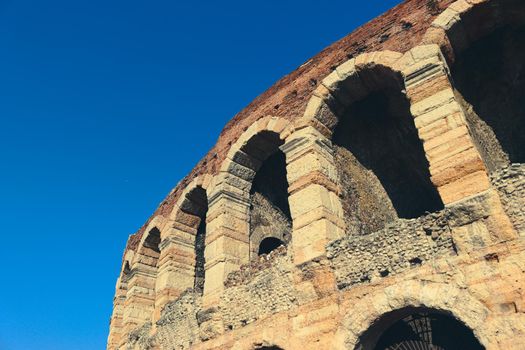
x=442 y=98
x=183 y=222
x=309 y=241
x=239 y=170
x=350 y=82
x=313 y=107
x=317 y=214
x=310 y=163
x=228 y=221
x=425 y=52
x=469 y=185
x=438 y=114
x=277 y=125
x=459 y=153
x=447 y=19
x=471 y=236
x=375 y=69
x=314 y=178
x=446 y=138
x=461 y=6
x=309 y=198
x=240 y=157
x=424 y=83
x=439 y=127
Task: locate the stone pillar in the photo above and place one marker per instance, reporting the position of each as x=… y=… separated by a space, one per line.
x=116 y=325
x=313 y=193
x=227 y=237
x=456 y=167
x=140 y=297
x=176 y=266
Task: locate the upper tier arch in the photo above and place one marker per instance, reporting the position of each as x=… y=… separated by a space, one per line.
x=466 y=21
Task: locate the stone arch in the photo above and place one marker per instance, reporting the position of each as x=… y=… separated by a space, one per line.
x=418 y=327
x=181 y=264
x=140 y=296
x=466 y=21
x=190 y=217
x=440 y=297
x=158 y=222
x=381 y=161
x=350 y=82
x=232 y=194
x=486 y=50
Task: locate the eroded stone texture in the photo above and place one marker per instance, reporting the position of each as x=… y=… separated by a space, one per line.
x=510 y=182
x=177 y=327
x=396 y=186
x=402 y=245
x=262 y=288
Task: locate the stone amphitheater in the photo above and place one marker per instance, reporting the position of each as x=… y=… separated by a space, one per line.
x=371 y=199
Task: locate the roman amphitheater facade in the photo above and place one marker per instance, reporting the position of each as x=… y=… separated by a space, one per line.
x=372 y=199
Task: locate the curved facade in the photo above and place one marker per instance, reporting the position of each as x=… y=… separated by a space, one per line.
x=372 y=199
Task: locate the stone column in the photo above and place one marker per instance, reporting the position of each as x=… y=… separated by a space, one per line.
x=116 y=326
x=227 y=237
x=176 y=266
x=456 y=167
x=313 y=193
x=140 y=297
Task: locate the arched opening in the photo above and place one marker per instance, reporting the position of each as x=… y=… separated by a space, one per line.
x=489 y=78
x=418 y=329
x=269 y=208
x=269 y=244
x=140 y=295
x=152 y=241
x=125 y=272
x=196 y=204
x=381 y=161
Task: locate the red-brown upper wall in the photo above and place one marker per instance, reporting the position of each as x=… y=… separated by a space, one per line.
x=399 y=29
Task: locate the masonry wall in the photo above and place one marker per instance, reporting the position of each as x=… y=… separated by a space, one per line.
x=370 y=226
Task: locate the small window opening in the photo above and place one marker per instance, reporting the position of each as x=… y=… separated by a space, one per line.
x=415 y=261
x=269 y=244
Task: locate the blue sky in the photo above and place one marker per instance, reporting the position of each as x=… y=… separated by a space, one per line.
x=104 y=107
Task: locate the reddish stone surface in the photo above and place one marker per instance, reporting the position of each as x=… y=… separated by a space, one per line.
x=399 y=29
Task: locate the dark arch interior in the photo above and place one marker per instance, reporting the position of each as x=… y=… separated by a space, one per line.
x=490 y=80
x=127 y=269
x=418 y=328
x=197 y=204
x=270 y=181
x=153 y=240
x=269 y=209
x=269 y=244
x=382 y=163
x=125 y=272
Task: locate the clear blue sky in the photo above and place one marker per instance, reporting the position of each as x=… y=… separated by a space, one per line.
x=104 y=107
